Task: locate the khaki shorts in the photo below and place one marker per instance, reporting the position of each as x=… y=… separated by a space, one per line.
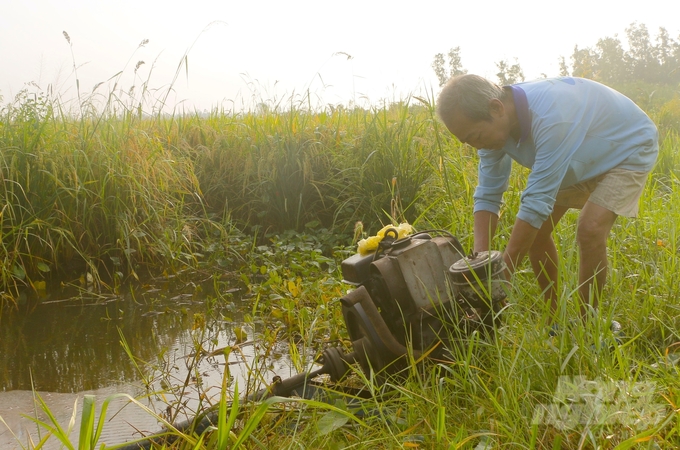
x=618 y=190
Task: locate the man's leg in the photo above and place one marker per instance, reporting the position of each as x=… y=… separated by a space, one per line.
x=543 y=257
x=594 y=225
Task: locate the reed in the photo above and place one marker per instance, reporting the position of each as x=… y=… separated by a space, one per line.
x=115 y=191
x=96 y=195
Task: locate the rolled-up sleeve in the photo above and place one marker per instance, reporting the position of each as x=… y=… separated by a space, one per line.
x=494 y=173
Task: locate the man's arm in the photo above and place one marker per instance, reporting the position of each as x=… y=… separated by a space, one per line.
x=485 y=229
x=521 y=239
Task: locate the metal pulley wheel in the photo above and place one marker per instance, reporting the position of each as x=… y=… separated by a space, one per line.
x=477 y=282
x=478 y=266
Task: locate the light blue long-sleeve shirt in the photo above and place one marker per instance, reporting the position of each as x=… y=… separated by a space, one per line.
x=572 y=130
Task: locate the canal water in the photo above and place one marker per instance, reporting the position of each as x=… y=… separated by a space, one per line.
x=159 y=345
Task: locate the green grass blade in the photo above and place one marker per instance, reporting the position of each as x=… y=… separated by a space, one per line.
x=226 y=424
x=85 y=441
x=55 y=428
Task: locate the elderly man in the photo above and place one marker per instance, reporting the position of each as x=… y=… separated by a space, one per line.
x=588 y=147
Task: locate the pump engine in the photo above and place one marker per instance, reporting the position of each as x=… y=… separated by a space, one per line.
x=417 y=294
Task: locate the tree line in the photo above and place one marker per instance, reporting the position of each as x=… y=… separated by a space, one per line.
x=654 y=60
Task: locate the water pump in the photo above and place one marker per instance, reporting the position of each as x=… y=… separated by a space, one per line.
x=415 y=294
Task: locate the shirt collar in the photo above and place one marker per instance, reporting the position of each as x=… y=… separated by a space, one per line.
x=522 y=110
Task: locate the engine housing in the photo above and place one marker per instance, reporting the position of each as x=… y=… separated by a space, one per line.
x=414 y=293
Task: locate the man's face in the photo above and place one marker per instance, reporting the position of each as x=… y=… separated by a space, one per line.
x=490 y=135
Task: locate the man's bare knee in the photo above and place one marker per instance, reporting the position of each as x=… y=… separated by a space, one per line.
x=591 y=233
x=594 y=225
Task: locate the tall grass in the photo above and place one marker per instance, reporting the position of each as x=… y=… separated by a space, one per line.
x=109 y=196
x=115 y=190
x=283 y=169
x=123 y=193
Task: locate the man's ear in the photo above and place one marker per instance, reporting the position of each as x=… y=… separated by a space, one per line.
x=496 y=107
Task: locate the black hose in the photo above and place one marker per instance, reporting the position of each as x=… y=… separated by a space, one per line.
x=298 y=384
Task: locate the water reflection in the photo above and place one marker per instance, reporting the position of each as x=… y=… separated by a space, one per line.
x=72 y=346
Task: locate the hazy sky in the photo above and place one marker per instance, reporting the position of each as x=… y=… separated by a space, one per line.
x=240 y=52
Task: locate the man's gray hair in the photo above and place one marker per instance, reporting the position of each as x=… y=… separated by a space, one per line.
x=469 y=94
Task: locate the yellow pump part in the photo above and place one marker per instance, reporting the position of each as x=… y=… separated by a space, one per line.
x=370 y=244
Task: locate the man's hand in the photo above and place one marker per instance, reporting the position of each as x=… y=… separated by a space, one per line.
x=521 y=239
